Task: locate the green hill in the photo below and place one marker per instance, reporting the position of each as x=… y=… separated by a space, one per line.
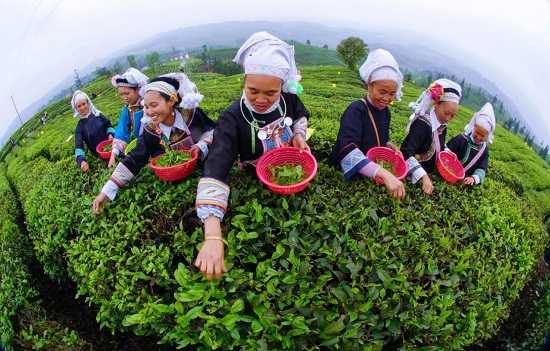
x=337 y=266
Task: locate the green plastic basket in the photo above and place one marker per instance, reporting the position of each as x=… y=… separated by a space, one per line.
x=130 y=146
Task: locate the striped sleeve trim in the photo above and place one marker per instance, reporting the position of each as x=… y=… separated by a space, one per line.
x=213 y=192
x=122 y=175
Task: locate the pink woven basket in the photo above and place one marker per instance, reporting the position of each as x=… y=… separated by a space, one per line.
x=286 y=155
x=449 y=167
x=99 y=149
x=175 y=172
x=382 y=153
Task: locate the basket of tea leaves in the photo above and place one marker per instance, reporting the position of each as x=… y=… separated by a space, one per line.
x=449 y=167
x=389 y=160
x=104 y=149
x=174 y=165
x=286 y=170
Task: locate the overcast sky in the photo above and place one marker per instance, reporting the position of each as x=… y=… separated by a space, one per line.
x=43 y=41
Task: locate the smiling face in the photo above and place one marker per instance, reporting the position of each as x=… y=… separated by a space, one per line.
x=159 y=108
x=262 y=91
x=382 y=92
x=445 y=111
x=480 y=134
x=129 y=95
x=82 y=107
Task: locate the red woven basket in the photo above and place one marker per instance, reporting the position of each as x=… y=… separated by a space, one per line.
x=449 y=167
x=382 y=153
x=281 y=156
x=175 y=172
x=99 y=149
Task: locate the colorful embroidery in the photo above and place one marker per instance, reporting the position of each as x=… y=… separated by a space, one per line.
x=300 y=126
x=183 y=145
x=351 y=160
x=122 y=175
x=208 y=136
x=119 y=144
x=433 y=147
x=211 y=191
x=412 y=165
x=280 y=136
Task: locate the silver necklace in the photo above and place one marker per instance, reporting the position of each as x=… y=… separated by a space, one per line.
x=264 y=132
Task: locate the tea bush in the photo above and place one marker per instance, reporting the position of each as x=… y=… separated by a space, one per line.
x=23 y=323
x=338 y=266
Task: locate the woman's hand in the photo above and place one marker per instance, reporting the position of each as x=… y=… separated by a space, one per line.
x=99 y=203
x=196 y=149
x=112 y=160
x=84 y=166
x=469 y=181
x=427 y=185
x=299 y=142
x=395 y=187
x=394 y=148
x=210 y=259
x=110 y=137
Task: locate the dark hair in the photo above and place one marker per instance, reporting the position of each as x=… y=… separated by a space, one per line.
x=170 y=81
x=451 y=90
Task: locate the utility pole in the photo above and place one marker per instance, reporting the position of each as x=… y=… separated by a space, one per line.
x=16 y=110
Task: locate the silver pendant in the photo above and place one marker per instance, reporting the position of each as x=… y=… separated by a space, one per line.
x=287 y=121
x=262 y=134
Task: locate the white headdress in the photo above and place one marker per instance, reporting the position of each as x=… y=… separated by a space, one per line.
x=440 y=90
x=132 y=78
x=186 y=96
x=381 y=65
x=265 y=54
x=80 y=95
x=484 y=118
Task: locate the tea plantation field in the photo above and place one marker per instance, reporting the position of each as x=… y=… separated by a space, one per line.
x=339 y=266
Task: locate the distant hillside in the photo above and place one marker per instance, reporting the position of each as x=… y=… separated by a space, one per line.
x=229 y=35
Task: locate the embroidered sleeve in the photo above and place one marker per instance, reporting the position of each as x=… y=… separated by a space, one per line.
x=479 y=176
x=119 y=146
x=208 y=136
x=415 y=170
x=205 y=142
x=212 y=192
x=121 y=175
x=300 y=127
x=353 y=162
x=80 y=156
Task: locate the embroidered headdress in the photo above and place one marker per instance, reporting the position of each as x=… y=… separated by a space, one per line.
x=267 y=55
x=440 y=90
x=80 y=95
x=132 y=78
x=381 y=65
x=184 y=92
x=484 y=118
